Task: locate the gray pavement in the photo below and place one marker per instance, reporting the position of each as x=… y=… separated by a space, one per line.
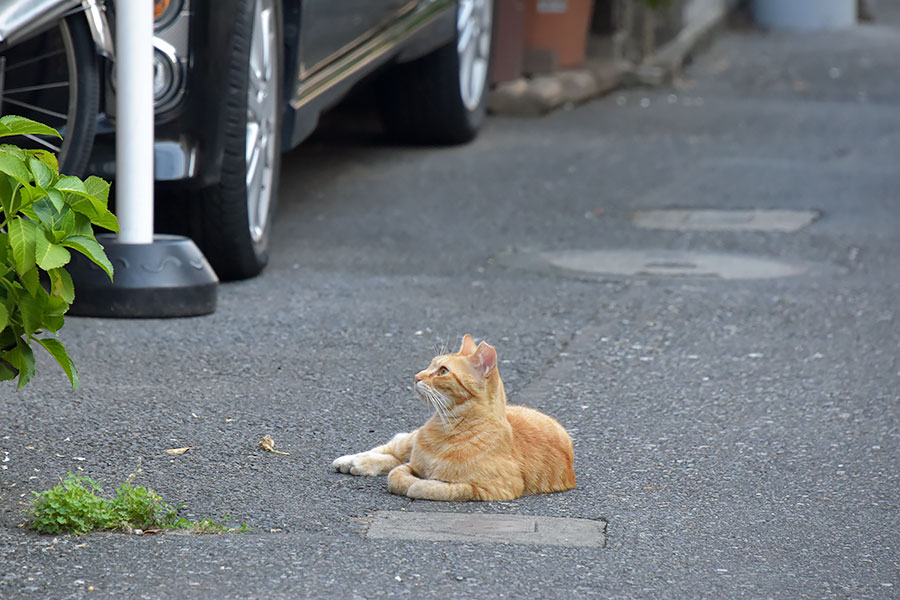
x=739 y=438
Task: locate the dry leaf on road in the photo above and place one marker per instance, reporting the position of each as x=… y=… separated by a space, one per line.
x=268 y=444
x=178 y=450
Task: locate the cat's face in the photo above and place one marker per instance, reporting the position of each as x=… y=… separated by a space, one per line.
x=461 y=382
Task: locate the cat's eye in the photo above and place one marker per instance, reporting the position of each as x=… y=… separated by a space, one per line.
x=443 y=371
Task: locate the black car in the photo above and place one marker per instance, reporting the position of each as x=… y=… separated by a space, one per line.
x=237 y=82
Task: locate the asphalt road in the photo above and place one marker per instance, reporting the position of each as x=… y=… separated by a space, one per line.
x=739 y=438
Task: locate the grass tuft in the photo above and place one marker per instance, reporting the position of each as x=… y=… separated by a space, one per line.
x=75 y=505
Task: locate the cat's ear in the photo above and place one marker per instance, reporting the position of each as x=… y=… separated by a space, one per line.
x=485 y=358
x=468 y=345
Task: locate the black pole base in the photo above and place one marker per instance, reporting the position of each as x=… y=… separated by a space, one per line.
x=168 y=278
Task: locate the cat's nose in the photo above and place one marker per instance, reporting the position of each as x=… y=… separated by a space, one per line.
x=419 y=376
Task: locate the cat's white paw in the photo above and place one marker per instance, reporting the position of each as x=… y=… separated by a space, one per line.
x=367 y=464
x=420 y=490
x=343 y=463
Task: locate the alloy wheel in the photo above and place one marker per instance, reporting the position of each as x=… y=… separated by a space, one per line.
x=262 y=118
x=473 y=22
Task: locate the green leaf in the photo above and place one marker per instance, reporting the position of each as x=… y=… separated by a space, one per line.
x=7 y=371
x=14 y=150
x=15 y=168
x=99 y=188
x=4 y=317
x=73 y=185
x=106 y=220
x=43 y=211
x=31 y=280
x=95 y=210
x=32 y=313
x=49 y=255
x=83 y=225
x=6 y=192
x=64 y=225
x=57 y=199
x=46 y=157
x=8 y=337
x=61 y=285
x=58 y=351
x=56 y=306
x=92 y=249
x=16 y=125
x=54 y=323
x=43 y=176
x=22 y=358
x=26 y=195
x=22 y=234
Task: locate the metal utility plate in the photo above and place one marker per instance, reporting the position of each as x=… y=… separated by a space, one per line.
x=786 y=221
x=670 y=263
x=479 y=527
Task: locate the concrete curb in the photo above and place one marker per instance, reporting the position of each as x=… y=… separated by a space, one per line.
x=536 y=96
x=668 y=61
x=539 y=95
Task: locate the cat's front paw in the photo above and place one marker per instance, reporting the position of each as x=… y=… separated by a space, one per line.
x=343 y=464
x=400 y=478
x=365 y=463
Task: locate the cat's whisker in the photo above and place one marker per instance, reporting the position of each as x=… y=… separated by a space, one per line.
x=447 y=415
x=441 y=405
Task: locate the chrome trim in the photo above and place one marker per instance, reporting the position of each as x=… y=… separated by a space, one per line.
x=346 y=48
x=95 y=11
x=19 y=20
x=166 y=48
x=306 y=90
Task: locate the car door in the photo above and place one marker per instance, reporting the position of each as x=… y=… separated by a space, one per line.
x=329 y=28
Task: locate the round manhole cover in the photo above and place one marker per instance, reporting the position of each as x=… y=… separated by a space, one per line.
x=669 y=263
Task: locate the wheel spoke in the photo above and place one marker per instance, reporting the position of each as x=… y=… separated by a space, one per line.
x=473 y=47
x=36 y=88
x=466 y=36
x=43 y=142
x=33 y=60
x=466 y=8
x=36 y=108
x=262 y=108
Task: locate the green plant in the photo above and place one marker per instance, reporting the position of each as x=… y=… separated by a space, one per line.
x=75 y=506
x=71 y=507
x=43 y=216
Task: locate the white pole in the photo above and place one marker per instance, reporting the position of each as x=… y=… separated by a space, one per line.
x=134 y=121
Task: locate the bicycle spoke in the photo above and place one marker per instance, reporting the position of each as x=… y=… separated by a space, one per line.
x=34 y=60
x=43 y=142
x=33 y=107
x=34 y=88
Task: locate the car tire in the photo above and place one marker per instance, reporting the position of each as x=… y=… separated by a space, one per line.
x=441 y=97
x=231 y=221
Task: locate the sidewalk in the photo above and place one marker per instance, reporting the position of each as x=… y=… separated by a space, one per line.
x=601 y=73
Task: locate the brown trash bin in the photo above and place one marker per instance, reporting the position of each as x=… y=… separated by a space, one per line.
x=556 y=32
x=509 y=40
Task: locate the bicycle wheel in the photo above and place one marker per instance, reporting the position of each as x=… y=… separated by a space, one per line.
x=52 y=77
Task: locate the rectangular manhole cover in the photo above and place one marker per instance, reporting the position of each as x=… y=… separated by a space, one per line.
x=786 y=221
x=468 y=527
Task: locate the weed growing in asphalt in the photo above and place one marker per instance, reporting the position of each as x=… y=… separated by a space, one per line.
x=75 y=505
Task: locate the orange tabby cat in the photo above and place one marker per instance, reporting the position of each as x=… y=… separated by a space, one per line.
x=475 y=447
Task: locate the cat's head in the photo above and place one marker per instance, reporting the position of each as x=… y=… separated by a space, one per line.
x=462 y=383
